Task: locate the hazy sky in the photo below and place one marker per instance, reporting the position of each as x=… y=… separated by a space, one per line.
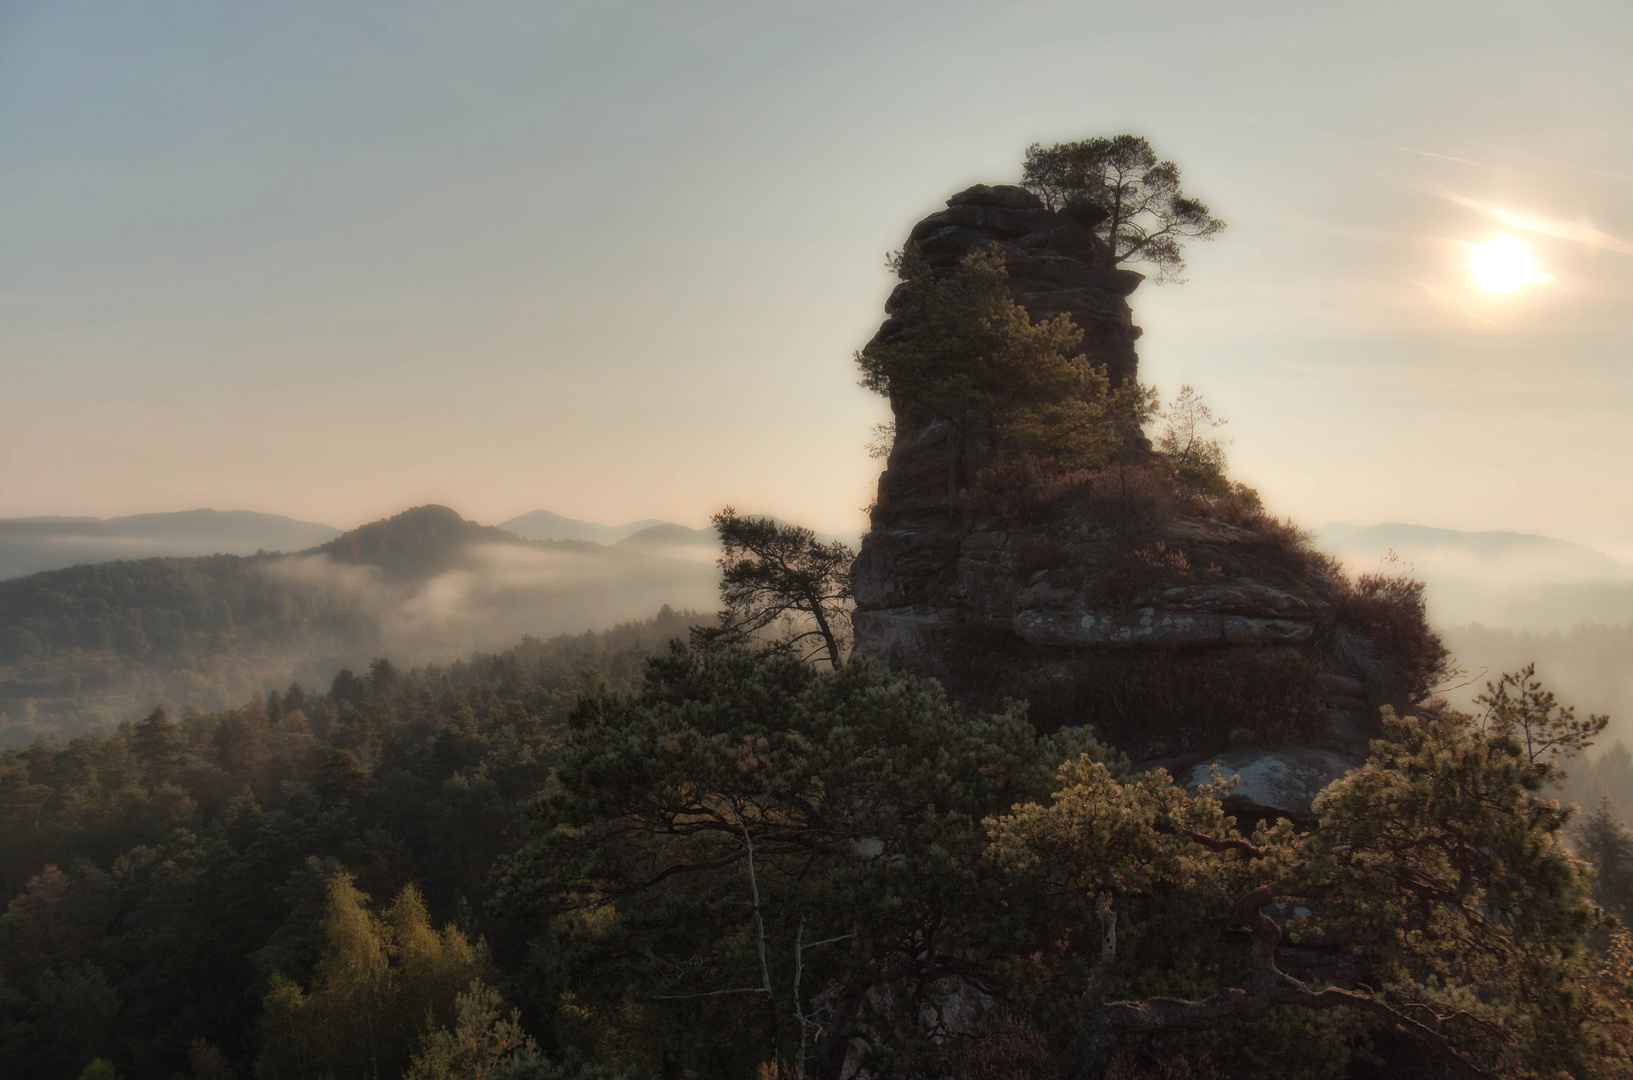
x=612 y=259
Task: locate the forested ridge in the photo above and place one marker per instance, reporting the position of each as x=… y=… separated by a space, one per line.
x=1589 y=660
x=573 y=859
x=98 y=644
x=87 y=644
x=156 y=877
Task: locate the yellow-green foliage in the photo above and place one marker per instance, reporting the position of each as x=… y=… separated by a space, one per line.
x=383 y=978
x=1439 y=867
x=1013 y=390
x=481 y=1039
x=1451 y=874
x=1098 y=834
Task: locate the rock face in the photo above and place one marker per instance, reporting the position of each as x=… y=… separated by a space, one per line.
x=1057 y=266
x=1185 y=640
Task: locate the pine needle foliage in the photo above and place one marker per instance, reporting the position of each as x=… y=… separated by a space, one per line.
x=774 y=575
x=1148 y=217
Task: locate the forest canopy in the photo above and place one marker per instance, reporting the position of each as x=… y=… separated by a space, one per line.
x=567 y=860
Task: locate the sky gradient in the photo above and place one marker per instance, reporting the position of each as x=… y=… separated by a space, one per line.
x=331 y=260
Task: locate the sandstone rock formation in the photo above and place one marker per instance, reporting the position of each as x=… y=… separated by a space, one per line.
x=1186 y=638
x=1056 y=265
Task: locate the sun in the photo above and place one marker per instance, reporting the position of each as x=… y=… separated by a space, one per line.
x=1503 y=265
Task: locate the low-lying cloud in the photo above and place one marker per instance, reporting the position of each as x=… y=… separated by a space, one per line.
x=497 y=593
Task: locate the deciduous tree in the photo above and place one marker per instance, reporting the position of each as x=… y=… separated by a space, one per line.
x=380 y=980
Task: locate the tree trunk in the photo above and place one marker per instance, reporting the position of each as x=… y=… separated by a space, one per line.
x=1116 y=221
x=836 y=1040
x=771 y=1033
x=759 y=934
x=827 y=631
x=1096 y=1044
x=1097 y=1034
x=1102 y=1024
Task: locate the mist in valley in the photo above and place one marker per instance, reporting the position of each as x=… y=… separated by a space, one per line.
x=1502 y=600
x=91 y=646
x=30 y=545
x=498 y=593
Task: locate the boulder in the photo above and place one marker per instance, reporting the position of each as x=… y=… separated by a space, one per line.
x=1279 y=782
x=1005 y=195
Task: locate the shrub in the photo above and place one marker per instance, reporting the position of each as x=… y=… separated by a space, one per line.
x=1026 y=490
x=1137 y=572
x=1009 y=1049
x=1388 y=608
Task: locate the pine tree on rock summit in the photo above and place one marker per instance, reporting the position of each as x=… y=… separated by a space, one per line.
x=1148 y=216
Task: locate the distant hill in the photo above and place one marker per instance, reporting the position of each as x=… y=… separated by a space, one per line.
x=417 y=543
x=543 y=525
x=1501 y=557
x=103 y=643
x=105 y=639
x=30 y=545
x=646 y=534
x=1504 y=579
x=676 y=541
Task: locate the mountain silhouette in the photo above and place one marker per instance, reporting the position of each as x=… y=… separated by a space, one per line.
x=544 y=525
x=417 y=543
x=31 y=545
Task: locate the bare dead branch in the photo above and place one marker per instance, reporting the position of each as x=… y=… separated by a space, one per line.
x=708 y=994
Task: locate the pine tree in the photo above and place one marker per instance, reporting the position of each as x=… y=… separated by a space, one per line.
x=1147 y=216
x=772 y=573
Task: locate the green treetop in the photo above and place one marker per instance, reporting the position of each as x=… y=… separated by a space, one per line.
x=816 y=862
x=1148 y=216
x=772 y=573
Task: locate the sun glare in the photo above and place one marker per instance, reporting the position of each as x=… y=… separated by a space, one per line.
x=1503 y=265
